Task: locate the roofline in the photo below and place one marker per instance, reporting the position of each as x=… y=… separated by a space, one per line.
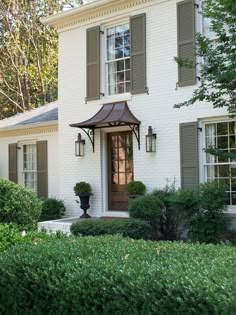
x=53 y=20
x=29 y=126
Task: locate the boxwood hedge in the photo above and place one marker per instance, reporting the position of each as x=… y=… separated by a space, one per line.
x=136 y=229
x=115 y=275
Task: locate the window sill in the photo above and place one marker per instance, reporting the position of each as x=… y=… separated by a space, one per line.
x=112 y=99
x=117 y=98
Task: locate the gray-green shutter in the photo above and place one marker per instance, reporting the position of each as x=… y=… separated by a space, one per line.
x=186 y=41
x=42 y=169
x=189 y=155
x=12 y=162
x=93 y=63
x=138 y=53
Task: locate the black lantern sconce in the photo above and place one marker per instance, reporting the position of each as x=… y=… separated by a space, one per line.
x=79 y=146
x=150 y=141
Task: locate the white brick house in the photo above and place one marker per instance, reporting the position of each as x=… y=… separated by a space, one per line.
x=122 y=51
x=98 y=43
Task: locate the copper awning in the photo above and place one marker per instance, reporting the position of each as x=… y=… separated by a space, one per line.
x=111 y=115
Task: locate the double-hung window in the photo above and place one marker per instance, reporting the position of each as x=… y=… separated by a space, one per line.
x=118 y=59
x=120 y=67
x=222 y=168
x=30 y=166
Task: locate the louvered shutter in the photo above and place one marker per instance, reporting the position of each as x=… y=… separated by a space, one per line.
x=12 y=162
x=42 y=169
x=189 y=155
x=93 y=63
x=186 y=41
x=138 y=53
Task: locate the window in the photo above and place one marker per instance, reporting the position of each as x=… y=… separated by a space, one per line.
x=123 y=58
x=222 y=136
x=118 y=59
x=30 y=166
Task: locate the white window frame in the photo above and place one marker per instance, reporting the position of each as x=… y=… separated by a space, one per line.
x=103 y=59
x=21 y=172
x=202 y=158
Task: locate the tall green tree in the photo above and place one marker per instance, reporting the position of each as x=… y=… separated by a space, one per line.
x=218 y=66
x=28 y=54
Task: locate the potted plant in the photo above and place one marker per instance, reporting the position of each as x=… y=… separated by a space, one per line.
x=136 y=188
x=83 y=190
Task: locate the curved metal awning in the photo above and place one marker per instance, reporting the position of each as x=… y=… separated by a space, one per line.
x=110 y=115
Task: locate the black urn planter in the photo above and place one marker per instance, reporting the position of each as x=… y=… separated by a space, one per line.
x=84 y=204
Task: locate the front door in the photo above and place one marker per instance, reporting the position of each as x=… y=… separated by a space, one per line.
x=120 y=169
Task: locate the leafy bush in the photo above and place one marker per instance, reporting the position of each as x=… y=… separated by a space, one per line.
x=82 y=187
x=179 y=206
x=136 y=229
x=52 y=209
x=10 y=235
x=209 y=224
x=136 y=188
x=19 y=205
x=147 y=207
x=114 y=275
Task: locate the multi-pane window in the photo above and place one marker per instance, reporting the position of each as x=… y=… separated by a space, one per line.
x=30 y=166
x=222 y=168
x=118 y=59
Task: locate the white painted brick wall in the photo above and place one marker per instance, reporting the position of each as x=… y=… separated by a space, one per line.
x=155 y=109
x=53 y=165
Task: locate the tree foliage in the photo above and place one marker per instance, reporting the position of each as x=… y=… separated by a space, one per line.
x=218 y=67
x=28 y=54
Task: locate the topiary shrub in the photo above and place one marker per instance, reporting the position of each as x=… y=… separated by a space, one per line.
x=136 y=188
x=135 y=229
x=19 y=205
x=209 y=224
x=115 y=275
x=52 y=209
x=82 y=188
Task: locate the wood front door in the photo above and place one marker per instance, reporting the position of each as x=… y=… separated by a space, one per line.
x=120 y=169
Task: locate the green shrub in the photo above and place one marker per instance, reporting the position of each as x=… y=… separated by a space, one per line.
x=115 y=275
x=179 y=206
x=147 y=207
x=136 y=229
x=136 y=188
x=52 y=209
x=209 y=224
x=19 y=205
x=82 y=187
x=10 y=235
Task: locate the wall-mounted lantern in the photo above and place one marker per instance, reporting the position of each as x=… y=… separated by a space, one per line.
x=79 y=146
x=150 y=141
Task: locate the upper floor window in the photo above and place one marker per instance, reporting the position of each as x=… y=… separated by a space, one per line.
x=206 y=27
x=118 y=59
x=124 y=57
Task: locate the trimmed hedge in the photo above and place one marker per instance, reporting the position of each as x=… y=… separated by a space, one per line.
x=136 y=229
x=115 y=275
x=19 y=205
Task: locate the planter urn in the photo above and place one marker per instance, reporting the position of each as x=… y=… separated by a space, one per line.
x=84 y=204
